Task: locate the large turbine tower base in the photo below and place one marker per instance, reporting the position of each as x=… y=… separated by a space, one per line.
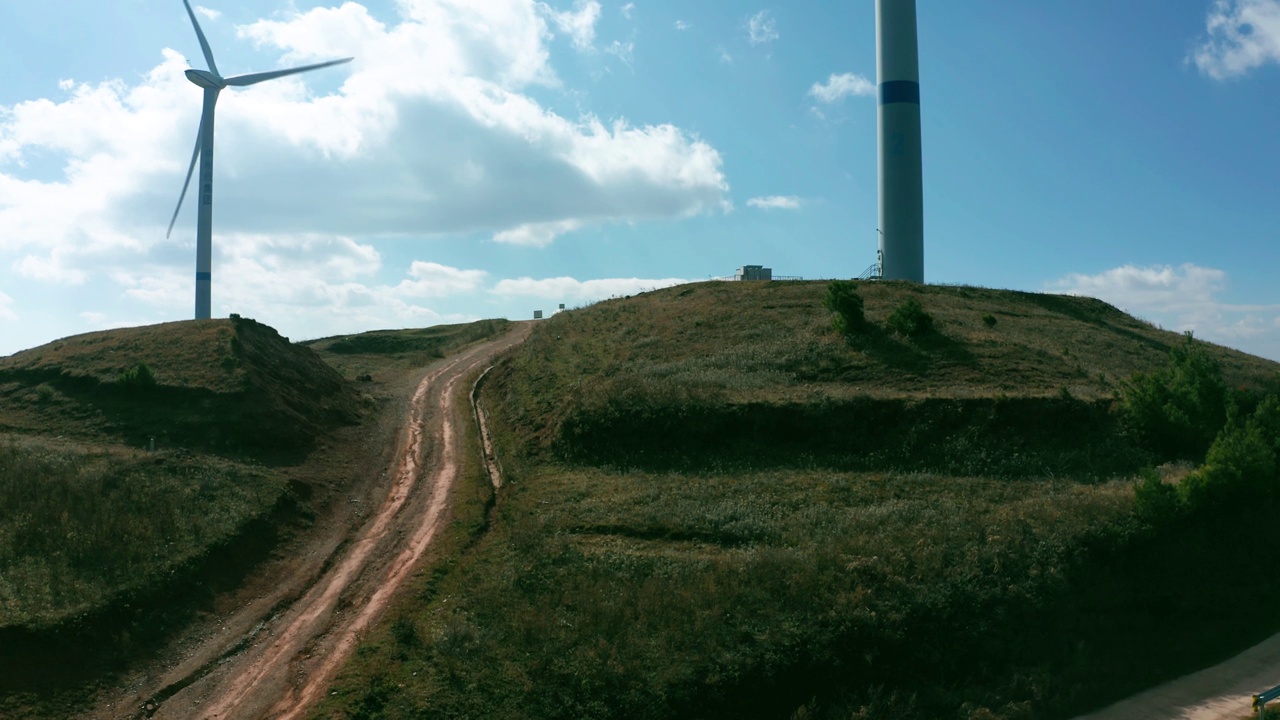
x=901 y=166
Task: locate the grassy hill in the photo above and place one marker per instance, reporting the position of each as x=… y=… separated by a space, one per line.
x=718 y=506
x=750 y=374
x=372 y=354
x=231 y=386
x=106 y=547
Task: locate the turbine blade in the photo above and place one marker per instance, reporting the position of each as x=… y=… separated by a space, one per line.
x=254 y=78
x=204 y=44
x=194 y=157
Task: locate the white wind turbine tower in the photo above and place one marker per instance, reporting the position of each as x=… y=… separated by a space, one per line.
x=213 y=83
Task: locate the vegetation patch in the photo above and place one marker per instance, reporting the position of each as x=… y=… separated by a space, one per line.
x=235 y=387
x=910 y=319
x=718 y=507
x=638 y=595
x=370 y=353
x=79 y=529
x=843 y=300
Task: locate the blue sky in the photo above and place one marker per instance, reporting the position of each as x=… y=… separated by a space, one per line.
x=484 y=159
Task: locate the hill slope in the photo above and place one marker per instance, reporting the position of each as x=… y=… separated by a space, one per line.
x=752 y=374
x=718 y=507
x=225 y=385
x=111 y=557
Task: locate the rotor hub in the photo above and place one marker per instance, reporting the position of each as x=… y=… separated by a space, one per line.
x=205 y=79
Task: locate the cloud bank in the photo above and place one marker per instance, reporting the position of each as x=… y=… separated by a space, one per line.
x=433 y=132
x=1183 y=298
x=1242 y=35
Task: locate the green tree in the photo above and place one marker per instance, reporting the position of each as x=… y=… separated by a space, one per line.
x=1240 y=466
x=138 y=377
x=910 y=319
x=1178 y=411
x=1155 y=500
x=843 y=300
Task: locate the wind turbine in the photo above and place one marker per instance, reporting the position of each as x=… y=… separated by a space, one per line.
x=901 y=167
x=213 y=83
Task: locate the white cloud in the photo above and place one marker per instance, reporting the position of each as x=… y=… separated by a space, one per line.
x=776 y=202
x=682 y=25
x=628 y=9
x=1184 y=298
x=578 y=24
x=624 y=51
x=725 y=57
x=567 y=289
x=536 y=234
x=460 y=147
x=842 y=85
x=208 y=12
x=309 y=182
x=435 y=280
x=761 y=28
x=308 y=285
x=1242 y=35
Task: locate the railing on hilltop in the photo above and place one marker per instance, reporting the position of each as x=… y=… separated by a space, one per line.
x=1261 y=699
x=871 y=273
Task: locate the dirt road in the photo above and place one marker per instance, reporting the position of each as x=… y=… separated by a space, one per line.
x=1221 y=692
x=277 y=655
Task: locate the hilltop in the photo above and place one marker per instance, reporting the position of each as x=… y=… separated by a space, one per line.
x=716 y=374
x=716 y=505
x=267 y=453
x=233 y=386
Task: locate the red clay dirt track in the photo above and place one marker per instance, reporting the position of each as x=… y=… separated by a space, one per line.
x=278 y=655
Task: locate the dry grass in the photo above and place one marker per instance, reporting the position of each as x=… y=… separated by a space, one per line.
x=182 y=354
x=770 y=582
x=83 y=527
x=231 y=386
x=380 y=352
x=768 y=341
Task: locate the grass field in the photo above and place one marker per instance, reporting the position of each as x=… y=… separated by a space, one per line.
x=233 y=387
x=651 y=582
x=373 y=354
x=106 y=549
x=82 y=529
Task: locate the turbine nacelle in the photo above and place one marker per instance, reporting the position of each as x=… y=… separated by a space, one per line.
x=205 y=79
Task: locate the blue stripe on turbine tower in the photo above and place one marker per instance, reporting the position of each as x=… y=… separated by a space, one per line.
x=901 y=171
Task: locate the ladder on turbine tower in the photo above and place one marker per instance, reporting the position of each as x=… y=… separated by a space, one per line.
x=874 y=272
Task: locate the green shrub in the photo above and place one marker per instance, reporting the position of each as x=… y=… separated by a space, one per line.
x=989 y=320
x=1240 y=466
x=910 y=319
x=843 y=300
x=139 y=376
x=1155 y=501
x=1179 y=410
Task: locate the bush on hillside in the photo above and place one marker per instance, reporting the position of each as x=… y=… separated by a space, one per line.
x=843 y=300
x=910 y=319
x=1155 y=501
x=138 y=377
x=1179 y=410
x=989 y=320
x=1240 y=466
